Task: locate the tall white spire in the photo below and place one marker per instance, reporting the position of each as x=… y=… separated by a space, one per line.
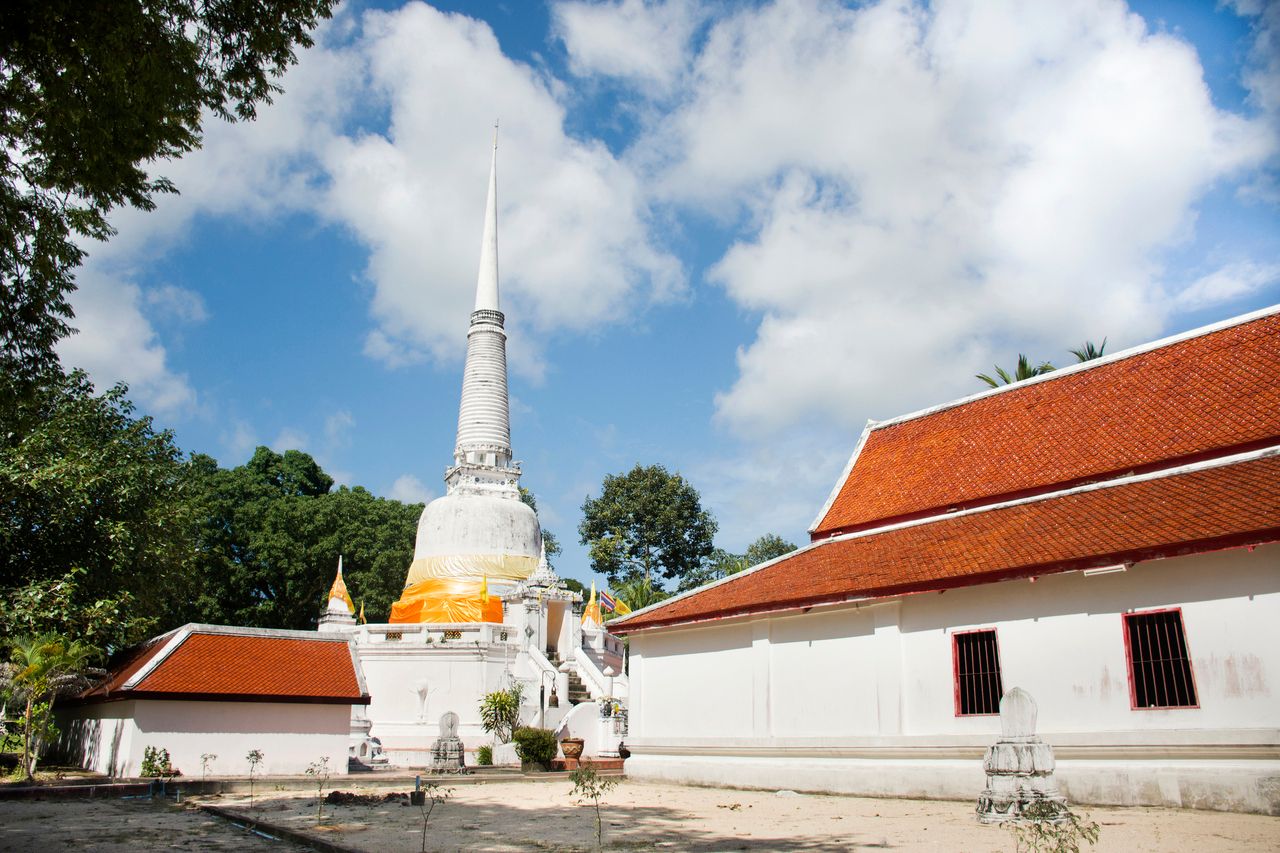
x=482 y=456
x=487 y=281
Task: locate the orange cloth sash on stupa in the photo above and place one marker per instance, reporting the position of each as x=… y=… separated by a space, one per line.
x=438 y=600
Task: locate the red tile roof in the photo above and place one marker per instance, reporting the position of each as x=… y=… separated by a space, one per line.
x=213 y=664
x=1170 y=514
x=1166 y=406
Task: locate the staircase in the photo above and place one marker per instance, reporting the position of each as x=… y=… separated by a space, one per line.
x=577 y=690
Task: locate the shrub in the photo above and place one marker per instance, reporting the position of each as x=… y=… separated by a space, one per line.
x=155 y=763
x=484 y=755
x=500 y=711
x=536 y=746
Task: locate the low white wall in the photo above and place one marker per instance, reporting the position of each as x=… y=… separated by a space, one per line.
x=111 y=737
x=1244 y=786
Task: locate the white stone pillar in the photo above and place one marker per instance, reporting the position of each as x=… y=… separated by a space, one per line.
x=888 y=652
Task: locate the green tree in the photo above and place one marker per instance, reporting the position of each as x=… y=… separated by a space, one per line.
x=639 y=592
x=1024 y=371
x=38 y=669
x=647 y=524
x=1088 y=352
x=91 y=94
x=721 y=563
x=58 y=605
x=269 y=533
x=93 y=496
x=766 y=548
x=549 y=540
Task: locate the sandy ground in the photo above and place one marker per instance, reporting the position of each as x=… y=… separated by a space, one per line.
x=541 y=815
x=509 y=816
x=117 y=826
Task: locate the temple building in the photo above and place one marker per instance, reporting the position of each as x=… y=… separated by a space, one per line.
x=1105 y=537
x=481 y=609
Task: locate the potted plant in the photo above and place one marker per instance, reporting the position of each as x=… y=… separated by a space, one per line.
x=536 y=748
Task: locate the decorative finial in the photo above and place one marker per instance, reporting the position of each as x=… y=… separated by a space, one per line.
x=495 y=134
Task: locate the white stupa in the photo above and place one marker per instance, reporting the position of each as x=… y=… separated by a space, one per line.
x=479 y=533
x=480 y=610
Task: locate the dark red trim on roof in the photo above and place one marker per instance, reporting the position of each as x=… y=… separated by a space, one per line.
x=1224 y=543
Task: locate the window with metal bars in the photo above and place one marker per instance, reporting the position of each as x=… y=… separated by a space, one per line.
x=976 y=661
x=1159 y=664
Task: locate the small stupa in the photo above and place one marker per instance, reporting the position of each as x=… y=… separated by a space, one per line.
x=1019 y=766
x=339 y=610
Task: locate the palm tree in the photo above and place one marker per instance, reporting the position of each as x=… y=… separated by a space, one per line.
x=1024 y=371
x=38 y=670
x=1089 y=352
x=640 y=592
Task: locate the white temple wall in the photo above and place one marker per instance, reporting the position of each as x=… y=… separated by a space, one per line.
x=112 y=737
x=874 y=681
x=456 y=676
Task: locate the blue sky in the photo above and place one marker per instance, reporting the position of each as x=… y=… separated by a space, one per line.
x=729 y=233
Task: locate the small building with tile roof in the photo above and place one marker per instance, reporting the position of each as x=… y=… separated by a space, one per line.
x=213 y=689
x=1105 y=536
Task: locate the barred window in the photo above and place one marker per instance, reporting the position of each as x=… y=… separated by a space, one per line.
x=1159 y=664
x=976 y=661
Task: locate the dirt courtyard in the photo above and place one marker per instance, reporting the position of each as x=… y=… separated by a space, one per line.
x=541 y=815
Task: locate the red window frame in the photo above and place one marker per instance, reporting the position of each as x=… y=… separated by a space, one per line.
x=955 y=670
x=1128 y=661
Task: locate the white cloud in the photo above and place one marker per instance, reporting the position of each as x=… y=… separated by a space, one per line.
x=337 y=429
x=409 y=489
x=1226 y=284
x=573 y=238
x=117 y=343
x=240 y=441
x=936 y=189
x=291 y=438
x=637 y=40
x=178 y=304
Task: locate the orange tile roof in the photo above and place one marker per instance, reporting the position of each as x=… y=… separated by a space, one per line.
x=240 y=667
x=1189 y=399
x=1176 y=513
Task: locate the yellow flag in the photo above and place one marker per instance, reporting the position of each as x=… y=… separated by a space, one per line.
x=484 y=589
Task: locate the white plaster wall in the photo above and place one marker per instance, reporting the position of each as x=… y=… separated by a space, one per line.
x=1062 y=639
x=878 y=676
x=290 y=736
x=876 y=670
x=841 y=642
x=700 y=682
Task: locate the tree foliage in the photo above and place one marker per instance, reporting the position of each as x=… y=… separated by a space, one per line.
x=93 y=510
x=38 y=669
x=647 y=524
x=269 y=534
x=1025 y=370
x=90 y=95
x=722 y=563
x=1088 y=351
x=549 y=540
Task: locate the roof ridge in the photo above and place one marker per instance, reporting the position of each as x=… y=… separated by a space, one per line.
x=1073 y=369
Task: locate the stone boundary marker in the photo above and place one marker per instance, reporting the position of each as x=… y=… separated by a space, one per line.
x=282 y=832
